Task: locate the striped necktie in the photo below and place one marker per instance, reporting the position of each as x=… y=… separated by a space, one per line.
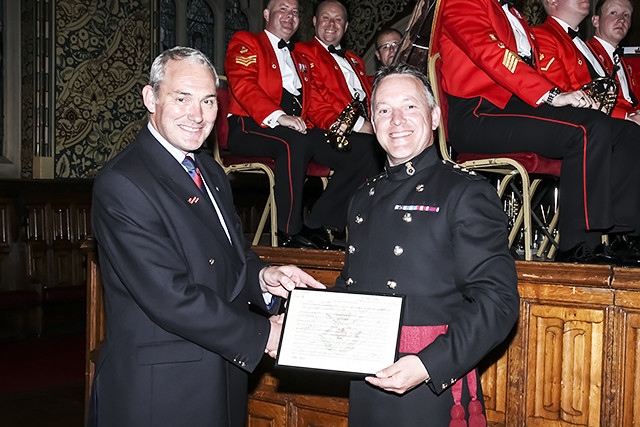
x=193 y=171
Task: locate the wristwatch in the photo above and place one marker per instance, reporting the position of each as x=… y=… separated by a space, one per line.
x=552 y=95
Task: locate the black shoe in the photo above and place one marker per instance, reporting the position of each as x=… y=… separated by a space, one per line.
x=626 y=251
x=293 y=241
x=582 y=254
x=318 y=237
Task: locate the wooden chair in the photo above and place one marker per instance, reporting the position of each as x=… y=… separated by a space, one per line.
x=95 y=318
x=529 y=167
x=255 y=165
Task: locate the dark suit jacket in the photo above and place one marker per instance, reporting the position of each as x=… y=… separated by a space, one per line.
x=254 y=77
x=331 y=93
x=439 y=236
x=179 y=333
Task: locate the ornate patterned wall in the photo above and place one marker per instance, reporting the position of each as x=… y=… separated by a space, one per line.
x=27 y=20
x=103 y=53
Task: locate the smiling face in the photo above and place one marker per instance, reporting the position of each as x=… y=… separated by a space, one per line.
x=282 y=18
x=614 y=21
x=330 y=22
x=402 y=119
x=185 y=108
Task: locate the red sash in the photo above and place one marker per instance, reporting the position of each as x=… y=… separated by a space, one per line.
x=415 y=338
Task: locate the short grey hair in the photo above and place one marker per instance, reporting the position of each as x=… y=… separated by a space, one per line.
x=407 y=70
x=178 y=53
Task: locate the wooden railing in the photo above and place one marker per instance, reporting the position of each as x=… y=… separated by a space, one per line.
x=572 y=360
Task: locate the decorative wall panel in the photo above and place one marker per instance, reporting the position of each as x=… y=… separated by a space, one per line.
x=103 y=53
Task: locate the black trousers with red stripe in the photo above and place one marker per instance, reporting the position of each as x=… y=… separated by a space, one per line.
x=292 y=152
x=600 y=177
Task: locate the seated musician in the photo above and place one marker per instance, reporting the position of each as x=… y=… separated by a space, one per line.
x=387 y=43
x=567 y=62
x=612 y=21
x=499 y=102
x=270 y=99
x=338 y=76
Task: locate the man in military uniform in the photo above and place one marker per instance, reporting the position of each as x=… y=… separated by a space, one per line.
x=437 y=234
x=270 y=106
x=612 y=21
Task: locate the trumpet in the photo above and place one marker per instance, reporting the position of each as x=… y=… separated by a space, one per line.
x=603 y=90
x=347 y=117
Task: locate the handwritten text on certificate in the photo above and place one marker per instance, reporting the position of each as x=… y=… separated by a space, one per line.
x=340 y=331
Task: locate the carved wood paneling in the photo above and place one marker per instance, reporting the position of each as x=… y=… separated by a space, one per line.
x=316 y=417
x=494 y=387
x=266 y=414
x=565 y=365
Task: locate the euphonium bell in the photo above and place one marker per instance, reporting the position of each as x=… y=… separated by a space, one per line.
x=347 y=117
x=603 y=90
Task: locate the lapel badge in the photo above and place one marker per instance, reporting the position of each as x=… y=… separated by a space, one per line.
x=410 y=169
x=193 y=200
x=302 y=68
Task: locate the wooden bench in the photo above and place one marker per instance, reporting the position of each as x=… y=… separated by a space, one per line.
x=572 y=360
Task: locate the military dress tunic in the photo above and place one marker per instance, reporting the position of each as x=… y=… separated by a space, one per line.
x=437 y=234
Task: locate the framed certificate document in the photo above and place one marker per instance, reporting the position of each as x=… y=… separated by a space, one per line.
x=349 y=332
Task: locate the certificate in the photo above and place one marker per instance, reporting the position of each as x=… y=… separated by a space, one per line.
x=347 y=332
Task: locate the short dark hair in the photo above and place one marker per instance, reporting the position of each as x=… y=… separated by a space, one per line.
x=384 y=32
x=340 y=2
x=407 y=70
x=600 y=3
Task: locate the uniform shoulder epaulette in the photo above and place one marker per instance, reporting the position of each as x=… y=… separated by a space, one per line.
x=371 y=180
x=462 y=171
x=376 y=178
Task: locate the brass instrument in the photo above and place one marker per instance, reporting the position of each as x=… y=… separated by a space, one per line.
x=603 y=90
x=347 y=117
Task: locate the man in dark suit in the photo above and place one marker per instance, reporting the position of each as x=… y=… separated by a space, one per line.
x=183 y=290
x=612 y=21
x=499 y=102
x=438 y=235
x=271 y=98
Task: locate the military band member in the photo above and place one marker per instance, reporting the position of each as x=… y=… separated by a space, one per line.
x=612 y=21
x=499 y=102
x=438 y=235
x=567 y=62
x=387 y=43
x=337 y=75
x=270 y=103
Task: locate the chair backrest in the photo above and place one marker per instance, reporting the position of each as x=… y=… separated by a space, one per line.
x=222 y=125
x=434 y=79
